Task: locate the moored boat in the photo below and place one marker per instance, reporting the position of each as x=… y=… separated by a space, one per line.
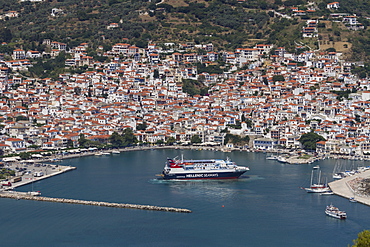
x=335 y=212
x=34 y=193
x=327 y=193
x=352 y=199
x=318 y=186
x=202 y=169
x=282 y=159
x=273 y=157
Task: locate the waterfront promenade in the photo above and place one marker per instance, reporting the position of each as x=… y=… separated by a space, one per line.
x=341 y=187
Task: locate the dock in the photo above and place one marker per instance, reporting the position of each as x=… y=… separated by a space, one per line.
x=25 y=196
x=24 y=181
x=342 y=187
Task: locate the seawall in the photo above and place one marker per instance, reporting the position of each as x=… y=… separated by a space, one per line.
x=340 y=187
x=23 y=196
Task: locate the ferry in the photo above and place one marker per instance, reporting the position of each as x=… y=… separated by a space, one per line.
x=335 y=212
x=202 y=169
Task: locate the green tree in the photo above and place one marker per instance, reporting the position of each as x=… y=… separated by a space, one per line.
x=5 y=172
x=25 y=156
x=309 y=140
x=5 y=35
x=128 y=137
x=236 y=139
x=116 y=140
x=278 y=78
x=142 y=126
x=69 y=143
x=170 y=141
x=357 y=118
x=195 y=139
x=159 y=142
x=363 y=239
x=156 y=74
x=82 y=141
x=20 y=118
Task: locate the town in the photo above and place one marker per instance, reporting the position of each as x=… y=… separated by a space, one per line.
x=265 y=93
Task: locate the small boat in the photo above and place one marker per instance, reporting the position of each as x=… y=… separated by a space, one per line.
x=327 y=193
x=335 y=212
x=116 y=152
x=352 y=199
x=34 y=193
x=337 y=174
x=273 y=157
x=282 y=159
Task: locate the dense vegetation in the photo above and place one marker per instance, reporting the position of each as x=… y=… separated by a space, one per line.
x=363 y=239
x=194 y=87
x=127 y=138
x=236 y=139
x=226 y=22
x=5 y=172
x=309 y=140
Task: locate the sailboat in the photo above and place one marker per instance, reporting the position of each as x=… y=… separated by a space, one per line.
x=337 y=174
x=317 y=187
x=33 y=193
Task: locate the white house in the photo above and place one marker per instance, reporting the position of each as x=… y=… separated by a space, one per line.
x=333 y=5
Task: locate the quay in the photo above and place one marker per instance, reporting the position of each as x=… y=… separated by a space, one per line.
x=24 y=196
x=30 y=178
x=342 y=187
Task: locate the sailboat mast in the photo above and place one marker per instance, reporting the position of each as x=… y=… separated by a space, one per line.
x=311 y=177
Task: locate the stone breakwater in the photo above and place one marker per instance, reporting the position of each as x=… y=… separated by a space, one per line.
x=18 y=196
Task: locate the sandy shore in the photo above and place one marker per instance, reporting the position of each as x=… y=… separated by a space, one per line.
x=341 y=187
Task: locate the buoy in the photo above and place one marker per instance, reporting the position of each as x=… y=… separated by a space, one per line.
x=223 y=206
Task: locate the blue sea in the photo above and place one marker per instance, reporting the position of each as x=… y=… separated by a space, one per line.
x=265 y=207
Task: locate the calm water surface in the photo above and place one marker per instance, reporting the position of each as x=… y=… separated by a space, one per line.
x=265 y=207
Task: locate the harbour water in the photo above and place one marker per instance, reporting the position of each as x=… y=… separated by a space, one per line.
x=265 y=207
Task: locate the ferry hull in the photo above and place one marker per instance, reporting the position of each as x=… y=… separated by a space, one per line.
x=204 y=175
x=341 y=216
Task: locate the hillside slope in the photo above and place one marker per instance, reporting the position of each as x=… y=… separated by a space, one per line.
x=226 y=23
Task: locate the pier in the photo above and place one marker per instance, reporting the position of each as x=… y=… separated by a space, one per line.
x=341 y=187
x=25 y=196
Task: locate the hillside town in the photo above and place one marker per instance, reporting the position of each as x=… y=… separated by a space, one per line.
x=265 y=93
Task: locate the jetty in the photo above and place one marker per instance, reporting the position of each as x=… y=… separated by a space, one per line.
x=24 y=196
x=344 y=187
